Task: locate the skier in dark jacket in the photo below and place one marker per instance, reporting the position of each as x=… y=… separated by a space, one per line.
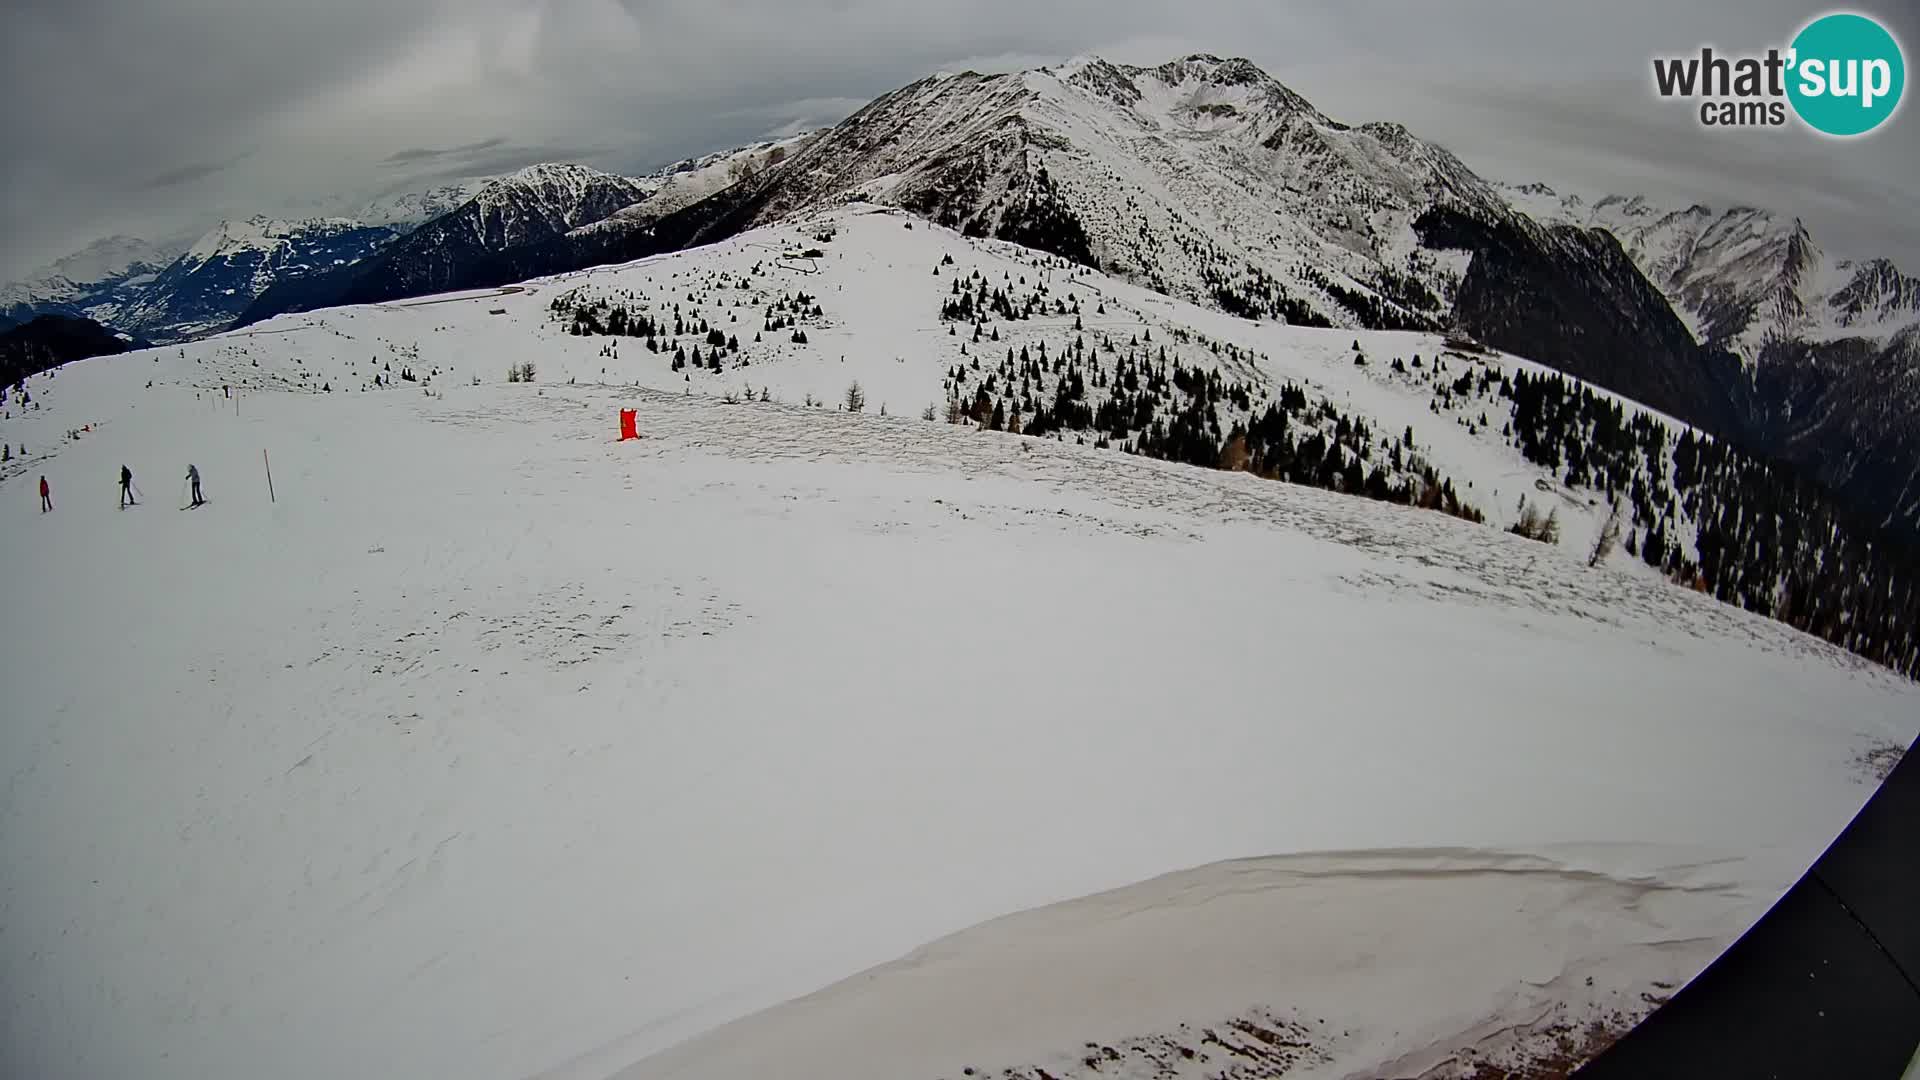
x=126 y=488
x=46 y=496
x=193 y=477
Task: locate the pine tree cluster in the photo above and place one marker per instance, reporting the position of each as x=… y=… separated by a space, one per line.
x=1146 y=400
x=1371 y=311
x=627 y=315
x=1762 y=537
x=974 y=299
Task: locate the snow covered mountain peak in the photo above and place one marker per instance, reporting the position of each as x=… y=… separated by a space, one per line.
x=539 y=203
x=1744 y=278
x=96 y=276
x=409 y=209
x=1202 y=177
x=1206 y=67
x=229 y=235
x=261 y=233
x=548 y=198
x=559 y=181
x=554 y=172
x=230 y=265
x=679 y=185
x=146 y=289
x=1200 y=91
x=108 y=257
x=1098 y=75
x=1203 y=70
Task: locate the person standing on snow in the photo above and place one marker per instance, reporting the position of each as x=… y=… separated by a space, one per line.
x=126 y=488
x=46 y=496
x=193 y=477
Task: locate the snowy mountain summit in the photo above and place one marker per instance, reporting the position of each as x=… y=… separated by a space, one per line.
x=549 y=198
x=257 y=233
x=1746 y=279
x=1203 y=178
x=407 y=210
x=538 y=203
x=1200 y=90
x=96 y=281
x=109 y=258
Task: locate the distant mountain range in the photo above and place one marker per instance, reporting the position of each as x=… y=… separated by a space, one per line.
x=166 y=295
x=532 y=206
x=1743 y=278
x=1203 y=178
x=211 y=284
x=554 y=215
x=98 y=280
x=423 y=241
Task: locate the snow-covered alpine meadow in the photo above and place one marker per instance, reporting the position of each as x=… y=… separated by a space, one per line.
x=786 y=741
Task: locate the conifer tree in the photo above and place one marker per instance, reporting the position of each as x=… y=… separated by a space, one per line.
x=1605 y=541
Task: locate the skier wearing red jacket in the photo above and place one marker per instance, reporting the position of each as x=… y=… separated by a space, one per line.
x=46 y=496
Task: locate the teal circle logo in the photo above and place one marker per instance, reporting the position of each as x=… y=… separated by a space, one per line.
x=1847 y=74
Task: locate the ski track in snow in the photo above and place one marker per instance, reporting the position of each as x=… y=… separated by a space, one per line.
x=494 y=743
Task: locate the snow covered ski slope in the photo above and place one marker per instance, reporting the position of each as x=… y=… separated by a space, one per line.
x=493 y=747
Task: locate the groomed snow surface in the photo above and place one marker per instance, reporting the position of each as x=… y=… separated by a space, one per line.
x=495 y=748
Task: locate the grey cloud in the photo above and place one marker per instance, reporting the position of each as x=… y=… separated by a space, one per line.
x=421 y=153
x=332 y=103
x=184 y=175
x=1659 y=149
x=506 y=159
x=420 y=175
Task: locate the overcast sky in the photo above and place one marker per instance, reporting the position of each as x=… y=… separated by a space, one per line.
x=150 y=117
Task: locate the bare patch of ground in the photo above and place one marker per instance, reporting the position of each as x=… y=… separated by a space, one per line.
x=1876 y=763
